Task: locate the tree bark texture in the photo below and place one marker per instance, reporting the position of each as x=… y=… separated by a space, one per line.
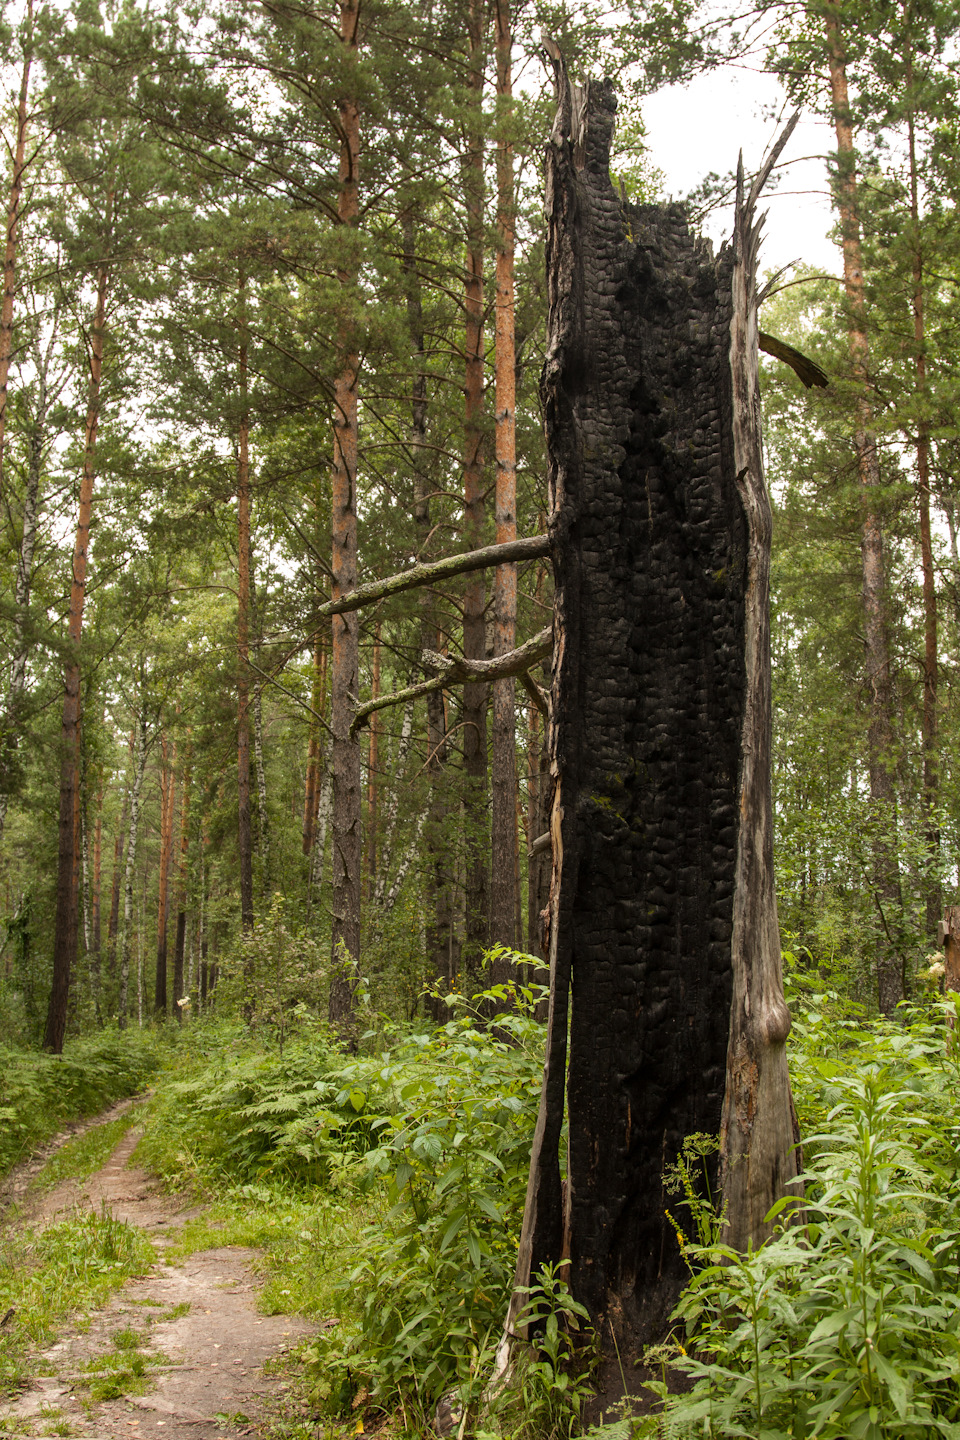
x=244 y=826
x=66 y=917
x=876 y=644
x=10 y=248
x=474 y=600
x=167 y=796
x=931 y=756
x=345 y=651
x=24 y=585
x=503 y=841
x=136 y=786
x=180 y=944
x=660 y=828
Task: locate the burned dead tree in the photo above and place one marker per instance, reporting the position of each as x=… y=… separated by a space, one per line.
x=664 y=949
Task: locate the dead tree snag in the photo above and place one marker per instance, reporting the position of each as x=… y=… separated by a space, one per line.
x=663 y=936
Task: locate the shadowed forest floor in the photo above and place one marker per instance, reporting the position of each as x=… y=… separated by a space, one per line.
x=179 y=1351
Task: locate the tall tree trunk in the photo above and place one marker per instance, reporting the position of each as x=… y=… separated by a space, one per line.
x=876 y=645
x=345 y=654
x=178 y=990
x=503 y=886
x=931 y=761
x=662 y=916
x=136 y=786
x=96 y=975
x=263 y=817
x=24 y=581
x=373 y=765
x=113 y=919
x=474 y=600
x=65 y=921
x=318 y=694
x=10 y=249
x=439 y=900
x=244 y=829
x=167 y=805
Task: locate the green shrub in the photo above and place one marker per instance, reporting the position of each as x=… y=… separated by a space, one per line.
x=39 y=1093
x=847 y=1326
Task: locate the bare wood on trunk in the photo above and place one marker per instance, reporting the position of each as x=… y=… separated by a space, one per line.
x=757 y=1132
x=345 y=653
x=66 y=917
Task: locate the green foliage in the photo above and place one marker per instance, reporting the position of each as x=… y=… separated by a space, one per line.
x=38 y=1093
x=434 y=1271
x=847 y=1325
x=66 y=1268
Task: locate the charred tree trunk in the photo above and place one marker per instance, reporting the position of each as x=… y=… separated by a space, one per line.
x=345 y=652
x=662 y=917
x=66 y=918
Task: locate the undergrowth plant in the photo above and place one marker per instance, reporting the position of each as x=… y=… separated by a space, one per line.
x=68 y=1267
x=40 y=1092
x=847 y=1323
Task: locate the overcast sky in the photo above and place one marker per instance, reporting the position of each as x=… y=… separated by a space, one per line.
x=696 y=128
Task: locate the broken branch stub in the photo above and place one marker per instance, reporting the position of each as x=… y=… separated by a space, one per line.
x=663 y=929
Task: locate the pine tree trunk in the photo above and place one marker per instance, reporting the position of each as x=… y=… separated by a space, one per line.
x=263 y=817
x=373 y=765
x=662 y=915
x=876 y=645
x=503 y=885
x=931 y=758
x=24 y=581
x=438 y=884
x=66 y=917
x=345 y=654
x=96 y=975
x=318 y=695
x=167 y=794
x=113 y=919
x=244 y=828
x=178 y=957
x=474 y=600
x=136 y=786
x=10 y=249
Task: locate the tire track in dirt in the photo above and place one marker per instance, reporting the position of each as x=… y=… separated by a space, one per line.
x=211 y=1357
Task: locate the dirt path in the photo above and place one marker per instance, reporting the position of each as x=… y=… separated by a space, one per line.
x=202 y=1341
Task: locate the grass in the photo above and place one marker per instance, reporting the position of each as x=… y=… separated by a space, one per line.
x=65 y=1270
x=84 y=1155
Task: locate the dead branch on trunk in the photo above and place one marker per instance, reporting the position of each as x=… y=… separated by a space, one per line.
x=457 y=671
x=535 y=547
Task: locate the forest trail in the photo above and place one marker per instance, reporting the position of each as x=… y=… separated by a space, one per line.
x=202 y=1343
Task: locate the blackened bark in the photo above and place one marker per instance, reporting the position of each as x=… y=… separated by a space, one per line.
x=654 y=559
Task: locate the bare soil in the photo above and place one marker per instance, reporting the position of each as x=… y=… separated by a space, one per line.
x=205 y=1366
